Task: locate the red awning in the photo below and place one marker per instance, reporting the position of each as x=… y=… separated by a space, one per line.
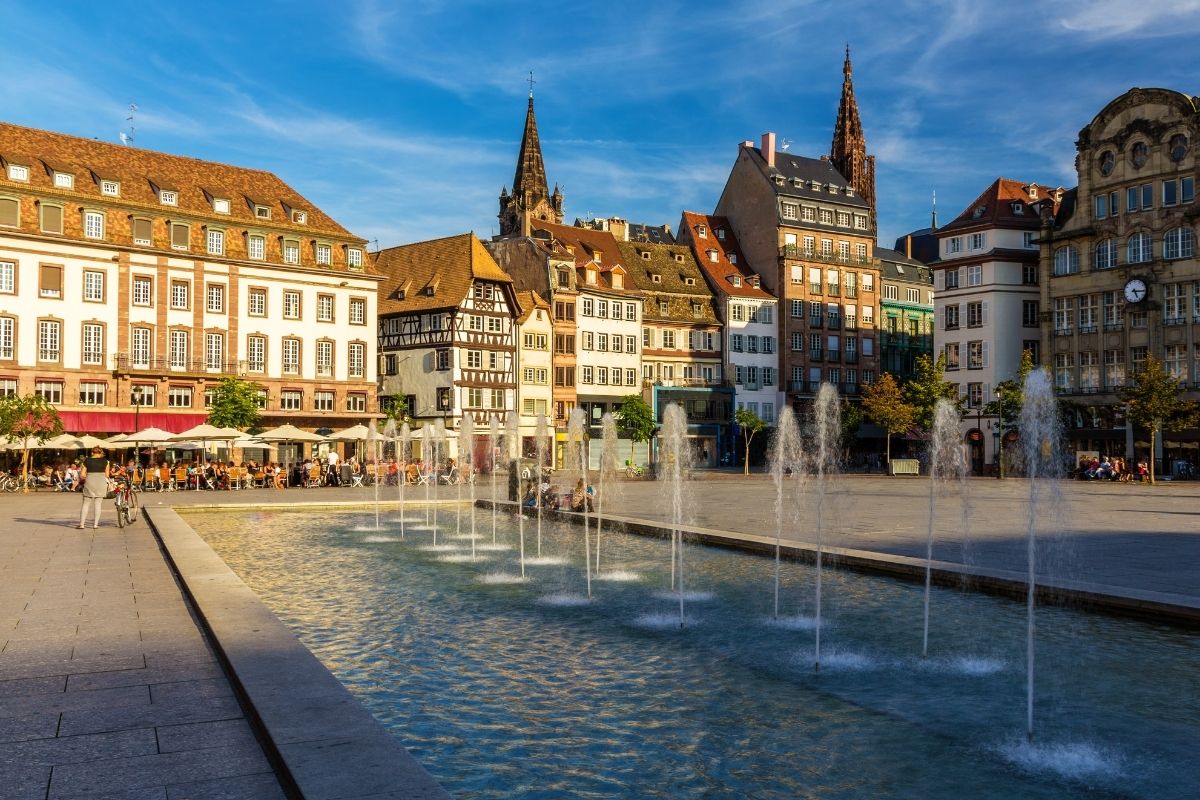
x=124 y=421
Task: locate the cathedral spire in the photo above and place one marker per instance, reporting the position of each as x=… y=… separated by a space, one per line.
x=530 y=198
x=848 y=153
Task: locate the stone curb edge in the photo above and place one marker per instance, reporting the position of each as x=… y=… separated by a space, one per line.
x=326 y=742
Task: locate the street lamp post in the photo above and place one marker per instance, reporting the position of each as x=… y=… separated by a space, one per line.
x=137 y=415
x=1000 y=439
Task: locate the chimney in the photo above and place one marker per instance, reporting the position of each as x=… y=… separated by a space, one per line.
x=768 y=148
x=908 y=246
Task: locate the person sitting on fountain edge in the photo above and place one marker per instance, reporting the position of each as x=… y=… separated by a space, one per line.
x=581 y=498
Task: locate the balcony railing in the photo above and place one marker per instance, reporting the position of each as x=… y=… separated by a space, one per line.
x=804 y=387
x=833 y=356
x=851 y=358
x=850 y=291
x=816 y=322
x=123 y=362
x=835 y=323
x=849 y=388
x=799 y=252
x=816 y=355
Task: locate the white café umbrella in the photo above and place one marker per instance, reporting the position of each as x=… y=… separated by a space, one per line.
x=148 y=436
x=358 y=433
x=289 y=433
x=208 y=433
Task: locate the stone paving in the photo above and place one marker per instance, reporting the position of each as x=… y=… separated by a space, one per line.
x=107 y=687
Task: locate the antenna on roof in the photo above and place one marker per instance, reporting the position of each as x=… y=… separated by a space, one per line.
x=787 y=143
x=933 y=220
x=127 y=138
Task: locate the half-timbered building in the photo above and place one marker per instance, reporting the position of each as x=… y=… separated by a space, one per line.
x=447 y=343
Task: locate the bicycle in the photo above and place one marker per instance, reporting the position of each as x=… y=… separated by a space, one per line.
x=634 y=471
x=15 y=483
x=127 y=502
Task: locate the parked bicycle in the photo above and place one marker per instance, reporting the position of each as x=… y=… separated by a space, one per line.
x=127 y=501
x=15 y=483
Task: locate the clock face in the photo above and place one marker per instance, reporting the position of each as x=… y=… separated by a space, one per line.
x=1135 y=290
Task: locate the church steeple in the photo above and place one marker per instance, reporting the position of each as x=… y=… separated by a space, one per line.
x=530 y=198
x=848 y=153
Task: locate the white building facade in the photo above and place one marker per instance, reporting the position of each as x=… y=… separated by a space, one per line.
x=132 y=281
x=987 y=302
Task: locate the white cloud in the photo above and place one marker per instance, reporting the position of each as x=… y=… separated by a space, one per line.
x=1108 y=19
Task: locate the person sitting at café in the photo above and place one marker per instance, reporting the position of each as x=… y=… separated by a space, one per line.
x=412 y=472
x=70 y=478
x=529 y=498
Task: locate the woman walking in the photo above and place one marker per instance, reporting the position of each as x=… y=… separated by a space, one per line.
x=94 y=475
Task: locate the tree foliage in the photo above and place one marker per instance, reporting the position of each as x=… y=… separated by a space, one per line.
x=750 y=423
x=884 y=404
x=636 y=418
x=928 y=386
x=1012 y=392
x=1155 y=402
x=396 y=408
x=235 y=404
x=852 y=417
x=27 y=419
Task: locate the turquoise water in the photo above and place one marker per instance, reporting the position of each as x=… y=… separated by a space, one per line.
x=525 y=690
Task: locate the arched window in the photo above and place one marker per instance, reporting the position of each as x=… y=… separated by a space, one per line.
x=1139 y=248
x=1066 y=261
x=1105 y=254
x=1179 y=243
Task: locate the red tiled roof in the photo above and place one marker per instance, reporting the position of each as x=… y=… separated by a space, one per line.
x=447 y=266
x=142 y=173
x=721 y=271
x=994 y=207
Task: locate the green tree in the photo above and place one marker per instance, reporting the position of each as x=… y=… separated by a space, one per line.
x=884 y=404
x=927 y=387
x=852 y=417
x=1155 y=403
x=25 y=419
x=636 y=419
x=1012 y=392
x=750 y=423
x=396 y=408
x=235 y=404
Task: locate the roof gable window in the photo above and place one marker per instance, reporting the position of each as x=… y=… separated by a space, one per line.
x=261 y=211
x=110 y=188
x=168 y=197
x=736 y=280
x=702 y=231
x=712 y=255
x=18 y=172
x=299 y=217
x=64 y=180
x=220 y=205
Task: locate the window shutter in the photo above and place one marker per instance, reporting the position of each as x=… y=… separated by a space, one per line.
x=987 y=394
x=983 y=317
x=9 y=209
x=142 y=230
x=984 y=347
x=51 y=280
x=179 y=235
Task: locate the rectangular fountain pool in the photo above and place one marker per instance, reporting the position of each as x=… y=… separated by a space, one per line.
x=509 y=688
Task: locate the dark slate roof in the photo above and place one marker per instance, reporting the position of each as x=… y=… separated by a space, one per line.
x=924 y=245
x=914 y=270
x=801 y=174
x=1066 y=207
x=525 y=260
x=655 y=234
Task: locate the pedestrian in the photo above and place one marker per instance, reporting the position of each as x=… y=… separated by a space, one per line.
x=94 y=474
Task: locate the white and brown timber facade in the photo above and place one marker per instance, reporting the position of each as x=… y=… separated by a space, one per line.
x=134 y=277
x=447 y=328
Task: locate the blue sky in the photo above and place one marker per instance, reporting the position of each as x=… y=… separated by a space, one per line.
x=402 y=119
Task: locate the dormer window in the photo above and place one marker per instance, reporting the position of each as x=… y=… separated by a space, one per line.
x=1018 y=209
x=18 y=172
x=736 y=280
x=712 y=255
x=262 y=212
x=689 y=281
x=797 y=182
x=220 y=205
x=64 y=180
x=833 y=189
x=1033 y=191
x=849 y=191
x=645 y=255
x=354 y=258
x=733 y=258
x=168 y=198
x=679 y=257
x=655 y=278
x=618 y=282
x=721 y=234
x=591 y=277
x=564 y=278
x=702 y=231
x=429 y=290
x=300 y=217
x=110 y=188
x=598 y=257
x=779 y=180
